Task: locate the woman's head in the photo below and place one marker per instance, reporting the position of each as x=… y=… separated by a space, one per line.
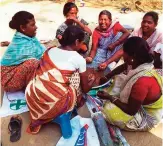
x=72 y=37
x=136 y=51
x=105 y=20
x=70 y=10
x=24 y=22
x=149 y=21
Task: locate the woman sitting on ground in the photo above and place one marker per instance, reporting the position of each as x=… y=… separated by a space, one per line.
x=138 y=105
x=52 y=91
x=149 y=32
x=22 y=55
x=107 y=39
x=70 y=11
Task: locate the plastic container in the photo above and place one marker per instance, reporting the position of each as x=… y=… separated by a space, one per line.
x=65 y=125
x=102 y=128
x=82 y=138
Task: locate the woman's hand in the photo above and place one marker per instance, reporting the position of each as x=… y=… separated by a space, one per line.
x=71 y=18
x=103 y=80
x=59 y=37
x=89 y=59
x=102 y=66
x=111 y=47
x=91 y=77
x=104 y=95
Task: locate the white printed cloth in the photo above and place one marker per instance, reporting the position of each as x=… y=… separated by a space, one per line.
x=13 y=103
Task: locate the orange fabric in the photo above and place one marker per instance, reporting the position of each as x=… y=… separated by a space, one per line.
x=49 y=94
x=15 y=78
x=83 y=47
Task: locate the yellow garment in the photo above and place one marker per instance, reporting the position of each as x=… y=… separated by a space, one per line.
x=114 y=115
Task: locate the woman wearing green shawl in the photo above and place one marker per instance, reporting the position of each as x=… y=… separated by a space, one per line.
x=137 y=103
x=22 y=55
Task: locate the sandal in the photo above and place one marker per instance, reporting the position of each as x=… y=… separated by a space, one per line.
x=15 y=128
x=5 y=43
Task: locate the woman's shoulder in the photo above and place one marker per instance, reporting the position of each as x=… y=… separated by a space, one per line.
x=146 y=81
x=58 y=51
x=159 y=34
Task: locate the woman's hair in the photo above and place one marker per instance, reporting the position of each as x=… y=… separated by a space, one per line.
x=106 y=12
x=67 y=7
x=154 y=16
x=138 y=48
x=71 y=34
x=20 y=18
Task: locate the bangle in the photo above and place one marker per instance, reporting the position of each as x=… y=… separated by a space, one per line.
x=115 y=99
x=105 y=77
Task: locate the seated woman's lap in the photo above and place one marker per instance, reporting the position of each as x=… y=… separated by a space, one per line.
x=18 y=76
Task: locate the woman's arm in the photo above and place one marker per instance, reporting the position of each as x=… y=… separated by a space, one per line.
x=84 y=27
x=131 y=108
x=114 y=72
x=93 y=50
x=115 y=57
x=139 y=95
x=124 y=36
x=86 y=81
x=117 y=70
x=92 y=54
x=111 y=47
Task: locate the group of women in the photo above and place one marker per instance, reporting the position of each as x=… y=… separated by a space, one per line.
x=54 y=79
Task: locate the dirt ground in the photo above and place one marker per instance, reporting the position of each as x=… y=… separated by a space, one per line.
x=50 y=134
x=49 y=16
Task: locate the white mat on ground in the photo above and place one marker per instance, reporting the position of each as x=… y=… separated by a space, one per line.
x=13 y=103
x=77 y=123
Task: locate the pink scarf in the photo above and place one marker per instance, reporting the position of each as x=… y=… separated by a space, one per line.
x=108 y=31
x=153 y=40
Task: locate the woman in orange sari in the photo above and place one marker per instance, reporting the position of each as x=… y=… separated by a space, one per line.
x=53 y=91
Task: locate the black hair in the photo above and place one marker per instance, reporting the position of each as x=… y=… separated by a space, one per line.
x=106 y=12
x=138 y=48
x=154 y=16
x=67 y=7
x=20 y=18
x=71 y=34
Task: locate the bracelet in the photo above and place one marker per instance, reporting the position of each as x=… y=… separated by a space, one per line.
x=115 y=99
x=105 y=77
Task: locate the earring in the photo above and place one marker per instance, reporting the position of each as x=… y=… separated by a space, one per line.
x=132 y=60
